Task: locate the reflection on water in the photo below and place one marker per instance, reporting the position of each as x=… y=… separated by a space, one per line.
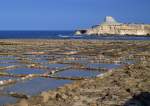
x=25 y=71
x=36 y=85
x=56 y=65
x=7 y=99
x=103 y=65
x=5 y=78
x=78 y=73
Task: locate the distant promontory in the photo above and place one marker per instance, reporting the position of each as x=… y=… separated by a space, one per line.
x=111 y=27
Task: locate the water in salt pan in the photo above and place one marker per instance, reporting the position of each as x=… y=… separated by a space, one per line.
x=56 y=65
x=78 y=73
x=103 y=65
x=36 y=85
x=7 y=99
x=25 y=71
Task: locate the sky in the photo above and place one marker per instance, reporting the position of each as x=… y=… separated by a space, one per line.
x=69 y=14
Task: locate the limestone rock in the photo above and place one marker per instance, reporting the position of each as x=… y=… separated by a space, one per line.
x=111 y=27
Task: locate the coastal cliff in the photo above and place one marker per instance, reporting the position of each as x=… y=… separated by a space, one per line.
x=111 y=27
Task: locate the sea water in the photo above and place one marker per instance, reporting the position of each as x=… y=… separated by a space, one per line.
x=62 y=35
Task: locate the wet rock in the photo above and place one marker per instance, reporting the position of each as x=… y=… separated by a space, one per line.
x=58 y=97
x=52 y=94
x=45 y=96
x=18 y=95
x=76 y=98
x=93 y=104
x=64 y=96
x=23 y=102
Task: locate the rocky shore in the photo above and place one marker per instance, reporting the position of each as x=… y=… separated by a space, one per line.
x=125 y=86
x=117 y=88
x=122 y=87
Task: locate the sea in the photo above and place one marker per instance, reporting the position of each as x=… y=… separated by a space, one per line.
x=63 y=35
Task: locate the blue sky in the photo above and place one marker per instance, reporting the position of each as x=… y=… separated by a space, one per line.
x=69 y=14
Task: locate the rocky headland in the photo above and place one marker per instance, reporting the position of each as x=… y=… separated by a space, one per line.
x=111 y=27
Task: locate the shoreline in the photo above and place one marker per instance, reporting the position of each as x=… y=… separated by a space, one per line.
x=115 y=88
